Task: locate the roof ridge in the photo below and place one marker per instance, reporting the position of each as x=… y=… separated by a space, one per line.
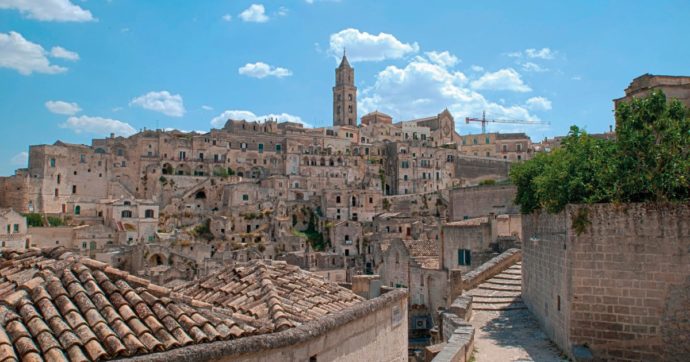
x=272 y=297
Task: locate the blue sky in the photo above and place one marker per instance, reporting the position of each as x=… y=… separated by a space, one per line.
x=74 y=70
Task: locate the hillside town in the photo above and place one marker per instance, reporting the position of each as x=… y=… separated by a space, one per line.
x=371 y=239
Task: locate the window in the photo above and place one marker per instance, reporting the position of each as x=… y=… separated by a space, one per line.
x=149 y=214
x=279 y=148
x=464 y=257
x=74 y=189
x=245 y=197
x=505 y=148
x=261 y=148
x=52 y=162
x=337 y=199
x=519 y=147
x=126 y=214
x=201 y=156
x=59 y=178
x=474 y=141
x=16 y=228
x=183 y=155
x=77 y=210
x=487 y=140
x=57 y=192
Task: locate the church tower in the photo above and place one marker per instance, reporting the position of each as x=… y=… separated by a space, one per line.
x=344 y=95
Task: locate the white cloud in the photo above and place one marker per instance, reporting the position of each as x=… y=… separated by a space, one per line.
x=98 y=126
x=505 y=79
x=60 y=52
x=533 y=67
x=362 y=46
x=206 y=108
x=60 y=107
x=576 y=77
x=227 y=17
x=255 y=13
x=444 y=59
x=20 y=159
x=24 y=56
x=282 y=11
x=422 y=88
x=477 y=68
x=163 y=102
x=262 y=70
x=48 y=10
x=543 y=53
x=219 y=121
x=538 y=103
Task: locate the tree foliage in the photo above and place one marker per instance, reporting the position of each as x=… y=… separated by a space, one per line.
x=648 y=161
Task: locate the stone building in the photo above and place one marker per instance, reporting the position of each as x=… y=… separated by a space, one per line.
x=13 y=230
x=675 y=87
x=610 y=280
x=506 y=146
x=345 y=95
x=478 y=201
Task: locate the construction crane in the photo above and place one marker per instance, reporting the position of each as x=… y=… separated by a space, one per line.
x=484 y=121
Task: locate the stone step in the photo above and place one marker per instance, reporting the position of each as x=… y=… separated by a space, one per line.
x=495 y=299
x=509 y=276
x=502 y=281
x=483 y=293
x=493 y=286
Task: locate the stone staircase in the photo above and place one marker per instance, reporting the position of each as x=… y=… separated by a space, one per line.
x=502 y=292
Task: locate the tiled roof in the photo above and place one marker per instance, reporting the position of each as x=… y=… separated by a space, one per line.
x=272 y=292
x=425 y=252
x=61 y=307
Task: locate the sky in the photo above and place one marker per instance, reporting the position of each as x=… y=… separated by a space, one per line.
x=74 y=70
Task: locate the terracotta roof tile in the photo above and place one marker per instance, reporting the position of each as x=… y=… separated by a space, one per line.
x=61 y=307
x=275 y=295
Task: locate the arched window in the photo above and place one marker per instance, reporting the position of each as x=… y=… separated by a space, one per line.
x=201 y=195
x=126 y=214
x=77 y=210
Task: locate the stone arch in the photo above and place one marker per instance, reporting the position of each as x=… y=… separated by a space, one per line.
x=157 y=259
x=183 y=170
x=200 y=195
x=168 y=169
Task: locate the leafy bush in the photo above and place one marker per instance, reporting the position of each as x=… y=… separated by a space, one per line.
x=648 y=161
x=34 y=219
x=55 y=221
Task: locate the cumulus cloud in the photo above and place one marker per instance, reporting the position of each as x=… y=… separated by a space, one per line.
x=48 y=10
x=61 y=107
x=163 y=102
x=477 y=68
x=20 y=159
x=98 y=125
x=444 y=59
x=227 y=17
x=543 y=53
x=255 y=13
x=24 y=56
x=422 y=88
x=263 y=70
x=60 y=52
x=538 y=103
x=505 y=79
x=219 y=121
x=362 y=46
x=206 y=108
x=533 y=67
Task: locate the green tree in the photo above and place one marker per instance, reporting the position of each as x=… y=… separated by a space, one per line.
x=648 y=161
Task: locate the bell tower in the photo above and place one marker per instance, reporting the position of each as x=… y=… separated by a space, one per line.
x=344 y=95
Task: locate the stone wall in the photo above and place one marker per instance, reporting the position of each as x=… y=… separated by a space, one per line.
x=470 y=202
x=475 y=169
x=491 y=268
x=622 y=284
x=374 y=330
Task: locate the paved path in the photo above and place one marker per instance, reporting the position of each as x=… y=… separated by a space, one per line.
x=505 y=331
